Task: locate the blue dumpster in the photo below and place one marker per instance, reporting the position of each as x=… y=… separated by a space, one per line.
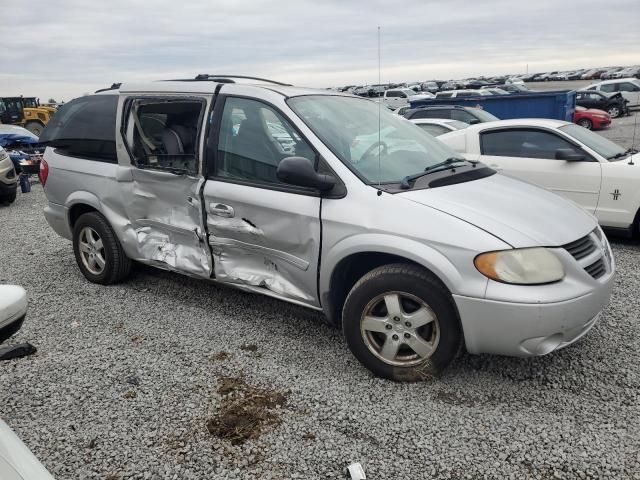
x=557 y=105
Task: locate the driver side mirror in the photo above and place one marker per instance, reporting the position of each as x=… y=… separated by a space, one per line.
x=569 y=155
x=299 y=171
x=473 y=121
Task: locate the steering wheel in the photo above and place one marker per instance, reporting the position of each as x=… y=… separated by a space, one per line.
x=374 y=148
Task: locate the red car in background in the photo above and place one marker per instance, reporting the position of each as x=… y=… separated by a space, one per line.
x=591 y=118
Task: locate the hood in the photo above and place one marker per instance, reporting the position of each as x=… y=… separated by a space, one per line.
x=519 y=213
x=596 y=111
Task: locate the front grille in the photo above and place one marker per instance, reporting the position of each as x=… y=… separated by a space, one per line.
x=586 y=247
x=596 y=269
x=581 y=248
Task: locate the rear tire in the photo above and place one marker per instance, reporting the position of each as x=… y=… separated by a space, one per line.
x=35 y=127
x=98 y=251
x=400 y=322
x=586 y=123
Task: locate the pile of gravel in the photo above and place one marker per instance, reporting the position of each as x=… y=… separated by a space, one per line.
x=127 y=377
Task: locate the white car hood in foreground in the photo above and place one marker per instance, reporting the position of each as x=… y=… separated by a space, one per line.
x=517 y=212
x=13 y=303
x=16 y=460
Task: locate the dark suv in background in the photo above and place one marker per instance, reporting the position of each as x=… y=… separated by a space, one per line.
x=468 y=115
x=612 y=103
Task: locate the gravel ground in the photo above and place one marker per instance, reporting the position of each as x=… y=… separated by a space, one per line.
x=126 y=378
x=622 y=129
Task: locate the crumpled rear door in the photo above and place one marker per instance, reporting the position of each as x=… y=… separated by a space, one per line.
x=160 y=189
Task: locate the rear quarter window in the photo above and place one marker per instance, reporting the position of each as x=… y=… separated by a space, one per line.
x=85 y=128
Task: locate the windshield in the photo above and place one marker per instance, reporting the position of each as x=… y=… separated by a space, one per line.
x=595 y=142
x=351 y=127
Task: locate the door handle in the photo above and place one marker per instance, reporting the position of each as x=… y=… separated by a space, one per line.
x=221 y=210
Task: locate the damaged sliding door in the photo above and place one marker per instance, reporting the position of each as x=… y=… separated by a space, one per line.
x=160 y=181
x=264 y=234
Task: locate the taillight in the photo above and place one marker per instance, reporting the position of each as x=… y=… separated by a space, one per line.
x=44 y=172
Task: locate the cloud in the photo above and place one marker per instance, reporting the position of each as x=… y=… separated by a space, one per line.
x=65 y=48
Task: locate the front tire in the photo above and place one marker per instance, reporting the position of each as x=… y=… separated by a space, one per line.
x=98 y=251
x=586 y=123
x=400 y=322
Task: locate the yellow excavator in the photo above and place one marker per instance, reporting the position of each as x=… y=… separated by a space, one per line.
x=26 y=112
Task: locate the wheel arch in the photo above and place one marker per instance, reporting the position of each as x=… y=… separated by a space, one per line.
x=346 y=264
x=81 y=202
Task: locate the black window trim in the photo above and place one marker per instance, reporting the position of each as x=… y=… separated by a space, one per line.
x=126 y=110
x=588 y=156
x=211 y=154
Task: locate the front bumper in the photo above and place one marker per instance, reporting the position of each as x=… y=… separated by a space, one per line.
x=11 y=327
x=599 y=124
x=530 y=329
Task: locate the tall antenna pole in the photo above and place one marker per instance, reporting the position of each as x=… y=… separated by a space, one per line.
x=633 y=140
x=379 y=106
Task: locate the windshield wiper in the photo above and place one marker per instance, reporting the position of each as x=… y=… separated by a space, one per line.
x=448 y=163
x=630 y=151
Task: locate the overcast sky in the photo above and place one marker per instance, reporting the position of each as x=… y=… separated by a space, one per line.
x=65 y=48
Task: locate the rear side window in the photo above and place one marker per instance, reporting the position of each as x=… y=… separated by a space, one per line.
x=608 y=87
x=85 y=128
x=628 y=87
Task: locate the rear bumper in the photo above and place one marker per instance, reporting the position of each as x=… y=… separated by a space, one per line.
x=9 y=327
x=57 y=217
x=529 y=329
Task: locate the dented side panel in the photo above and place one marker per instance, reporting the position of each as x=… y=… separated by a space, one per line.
x=264 y=238
x=163 y=222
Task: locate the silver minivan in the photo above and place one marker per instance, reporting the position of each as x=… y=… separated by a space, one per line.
x=328 y=201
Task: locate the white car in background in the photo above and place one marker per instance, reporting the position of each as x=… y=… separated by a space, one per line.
x=439 y=126
x=628 y=87
x=597 y=174
x=462 y=93
x=399 y=97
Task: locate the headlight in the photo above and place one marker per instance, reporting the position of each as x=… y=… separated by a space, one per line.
x=526 y=266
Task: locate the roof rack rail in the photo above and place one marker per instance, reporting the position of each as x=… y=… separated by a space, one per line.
x=114 y=86
x=203 y=77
